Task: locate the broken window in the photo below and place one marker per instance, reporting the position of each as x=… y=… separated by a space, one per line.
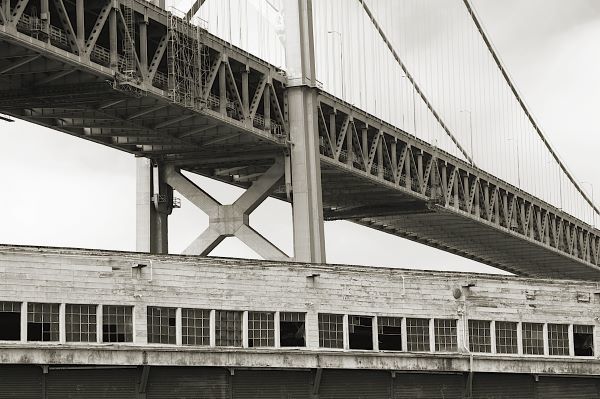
x=533 y=338
x=195 y=326
x=583 y=340
x=261 y=329
x=445 y=335
x=417 y=335
x=506 y=337
x=117 y=324
x=42 y=322
x=161 y=325
x=228 y=328
x=558 y=339
x=331 y=330
x=389 y=333
x=480 y=339
x=360 y=332
x=80 y=323
x=10 y=321
x=292 y=329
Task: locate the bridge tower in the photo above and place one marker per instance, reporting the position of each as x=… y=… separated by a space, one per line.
x=155 y=180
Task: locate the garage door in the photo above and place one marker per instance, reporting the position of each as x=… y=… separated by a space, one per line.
x=187 y=383
x=20 y=382
x=265 y=384
x=429 y=386
x=567 y=388
x=503 y=386
x=355 y=384
x=92 y=383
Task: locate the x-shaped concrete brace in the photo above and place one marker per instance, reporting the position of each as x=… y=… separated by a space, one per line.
x=230 y=220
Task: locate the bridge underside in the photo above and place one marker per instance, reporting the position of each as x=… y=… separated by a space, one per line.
x=354 y=197
x=235 y=137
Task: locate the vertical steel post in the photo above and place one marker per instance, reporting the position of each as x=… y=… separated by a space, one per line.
x=80 y=11
x=154 y=203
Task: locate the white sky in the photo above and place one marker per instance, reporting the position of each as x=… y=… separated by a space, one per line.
x=63 y=191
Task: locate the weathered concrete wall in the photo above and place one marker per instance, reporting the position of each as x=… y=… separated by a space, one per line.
x=30 y=274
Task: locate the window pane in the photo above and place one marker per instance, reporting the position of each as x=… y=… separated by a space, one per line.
x=117 y=325
x=161 y=325
x=389 y=333
x=533 y=338
x=42 y=322
x=331 y=330
x=195 y=326
x=228 y=328
x=360 y=332
x=80 y=323
x=558 y=339
x=506 y=337
x=417 y=335
x=261 y=329
x=10 y=321
x=583 y=340
x=479 y=336
x=445 y=335
x=292 y=329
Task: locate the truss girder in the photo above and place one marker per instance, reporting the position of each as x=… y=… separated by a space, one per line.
x=373 y=150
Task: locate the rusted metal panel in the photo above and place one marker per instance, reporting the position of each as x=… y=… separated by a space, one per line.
x=188 y=382
x=429 y=386
x=262 y=384
x=91 y=383
x=20 y=382
x=503 y=386
x=355 y=384
x=567 y=388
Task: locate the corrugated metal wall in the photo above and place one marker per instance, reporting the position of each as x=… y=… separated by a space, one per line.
x=20 y=382
x=567 y=388
x=116 y=383
x=503 y=386
x=254 y=384
x=429 y=386
x=355 y=384
x=28 y=382
x=188 y=383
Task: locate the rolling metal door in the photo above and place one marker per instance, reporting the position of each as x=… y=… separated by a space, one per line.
x=271 y=384
x=567 y=388
x=92 y=383
x=429 y=386
x=503 y=386
x=20 y=382
x=355 y=384
x=187 y=383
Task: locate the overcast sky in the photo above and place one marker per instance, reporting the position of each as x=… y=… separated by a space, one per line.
x=61 y=191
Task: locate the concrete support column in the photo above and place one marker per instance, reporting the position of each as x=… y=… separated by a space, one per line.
x=154 y=203
x=307 y=202
x=309 y=242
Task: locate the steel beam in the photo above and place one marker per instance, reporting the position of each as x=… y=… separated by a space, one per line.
x=230 y=220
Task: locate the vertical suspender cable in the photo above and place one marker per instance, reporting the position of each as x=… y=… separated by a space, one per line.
x=515 y=92
x=414 y=83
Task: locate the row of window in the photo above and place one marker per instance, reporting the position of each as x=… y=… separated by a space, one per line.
x=483 y=336
x=82 y=324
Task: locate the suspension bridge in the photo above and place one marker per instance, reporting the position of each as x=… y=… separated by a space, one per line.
x=410 y=154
